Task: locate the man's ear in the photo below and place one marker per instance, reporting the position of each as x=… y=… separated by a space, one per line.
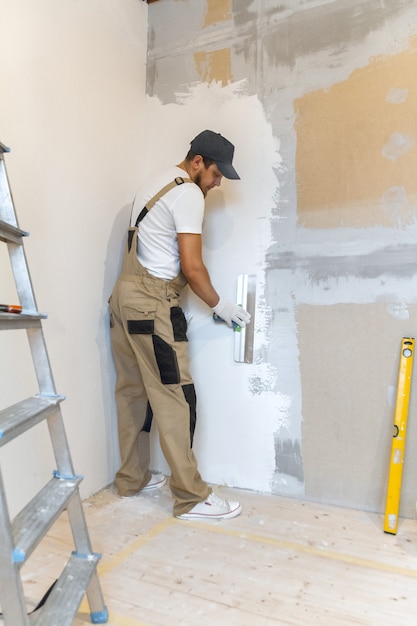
x=197 y=162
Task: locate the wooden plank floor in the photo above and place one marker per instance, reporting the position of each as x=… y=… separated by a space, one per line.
x=282 y=561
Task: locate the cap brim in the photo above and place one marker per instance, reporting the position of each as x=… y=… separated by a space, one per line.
x=228 y=170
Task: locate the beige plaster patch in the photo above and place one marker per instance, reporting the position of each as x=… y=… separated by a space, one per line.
x=218 y=11
x=214 y=66
x=356 y=159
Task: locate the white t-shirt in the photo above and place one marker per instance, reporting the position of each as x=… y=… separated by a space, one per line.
x=180 y=210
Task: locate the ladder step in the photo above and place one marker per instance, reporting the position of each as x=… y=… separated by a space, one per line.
x=10 y=233
x=18 y=418
x=36 y=518
x=16 y=321
x=65 y=598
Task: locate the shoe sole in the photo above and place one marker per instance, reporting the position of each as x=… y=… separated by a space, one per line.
x=228 y=515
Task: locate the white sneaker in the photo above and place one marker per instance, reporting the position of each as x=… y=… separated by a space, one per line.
x=156 y=482
x=213 y=508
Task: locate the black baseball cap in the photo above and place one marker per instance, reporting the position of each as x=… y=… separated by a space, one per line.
x=217 y=148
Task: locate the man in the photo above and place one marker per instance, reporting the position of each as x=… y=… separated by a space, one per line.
x=148 y=327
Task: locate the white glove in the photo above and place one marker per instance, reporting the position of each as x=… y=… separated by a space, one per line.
x=230 y=312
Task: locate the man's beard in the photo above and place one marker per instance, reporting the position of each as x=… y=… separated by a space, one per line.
x=197 y=181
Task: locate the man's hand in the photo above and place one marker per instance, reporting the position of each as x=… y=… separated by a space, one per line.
x=230 y=312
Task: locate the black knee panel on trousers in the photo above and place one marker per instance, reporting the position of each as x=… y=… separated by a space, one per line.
x=189 y=393
x=166 y=359
x=148 y=419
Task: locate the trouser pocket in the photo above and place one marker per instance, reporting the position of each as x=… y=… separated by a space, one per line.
x=140 y=317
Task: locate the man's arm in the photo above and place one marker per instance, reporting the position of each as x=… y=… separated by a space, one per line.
x=193 y=268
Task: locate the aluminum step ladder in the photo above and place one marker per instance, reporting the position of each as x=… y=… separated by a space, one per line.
x=20 y=536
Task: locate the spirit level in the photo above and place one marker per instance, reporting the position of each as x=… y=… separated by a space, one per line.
x=399 y=436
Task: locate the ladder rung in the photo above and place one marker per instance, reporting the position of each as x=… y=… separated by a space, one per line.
x=36 y=518
x=65 y=598
x=16 y=321
x=18 y=418
x=11 y=233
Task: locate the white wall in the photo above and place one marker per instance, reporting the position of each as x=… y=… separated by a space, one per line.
x=234 y=421
x=72 y=77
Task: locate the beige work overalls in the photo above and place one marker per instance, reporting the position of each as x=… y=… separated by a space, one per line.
x=149 y=345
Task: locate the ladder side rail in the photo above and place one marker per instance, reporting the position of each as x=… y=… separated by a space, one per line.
x=96 y=600
x=22 y=276
x=60 y=444
x=7 y=212
x=41 y=361
x=83 y=546
x=13 y=604
x=79 y=526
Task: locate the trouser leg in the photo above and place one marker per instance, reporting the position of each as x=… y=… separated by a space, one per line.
x=133 y=415
x=172 y=417
x=164 y=365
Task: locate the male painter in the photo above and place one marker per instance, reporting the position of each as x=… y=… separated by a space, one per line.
x=148 y=328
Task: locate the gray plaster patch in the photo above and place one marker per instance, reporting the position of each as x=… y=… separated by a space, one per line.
x=262 y=37
x=288 y=458
x=396 y=261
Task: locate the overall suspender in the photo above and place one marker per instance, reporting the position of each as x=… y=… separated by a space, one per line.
x=156 y=197
x=152 y=201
